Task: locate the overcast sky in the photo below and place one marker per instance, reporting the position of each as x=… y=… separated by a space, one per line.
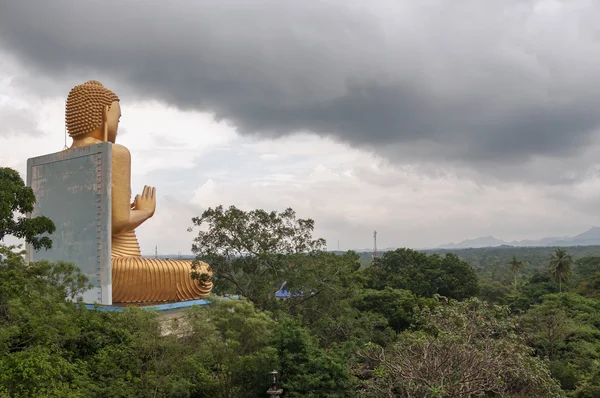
x=429 y=121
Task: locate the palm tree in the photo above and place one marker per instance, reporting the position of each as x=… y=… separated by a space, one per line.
x=515 y=266
x=560 y=266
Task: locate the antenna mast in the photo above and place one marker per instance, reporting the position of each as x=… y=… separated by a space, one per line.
x=374 y=244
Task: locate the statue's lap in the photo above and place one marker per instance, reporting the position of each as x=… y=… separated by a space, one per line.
x=137 y=279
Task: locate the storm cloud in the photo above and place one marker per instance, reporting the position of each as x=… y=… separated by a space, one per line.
x=487 y=85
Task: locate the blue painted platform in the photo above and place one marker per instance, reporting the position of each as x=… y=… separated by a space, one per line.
x=156 y=307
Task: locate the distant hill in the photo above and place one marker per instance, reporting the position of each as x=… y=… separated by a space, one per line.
x=486 y=241
x=590 y=237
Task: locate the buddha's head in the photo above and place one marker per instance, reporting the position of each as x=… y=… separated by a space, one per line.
x=85 y=109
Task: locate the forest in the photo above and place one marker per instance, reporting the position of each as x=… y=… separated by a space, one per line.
x=498 y=322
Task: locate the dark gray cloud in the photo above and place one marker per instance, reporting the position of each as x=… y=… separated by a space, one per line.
x=16 y=121
x=487 y=85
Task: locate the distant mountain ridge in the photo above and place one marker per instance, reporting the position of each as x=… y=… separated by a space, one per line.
x=590 y=237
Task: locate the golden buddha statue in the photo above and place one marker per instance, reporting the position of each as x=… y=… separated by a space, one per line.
x=92 y=117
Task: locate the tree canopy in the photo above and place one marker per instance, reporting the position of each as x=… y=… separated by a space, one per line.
x=462 y=349
x=425 y=275
x=16 y=201
x=248 y=252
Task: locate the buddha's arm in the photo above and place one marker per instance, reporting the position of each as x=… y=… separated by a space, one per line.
x=124 y=218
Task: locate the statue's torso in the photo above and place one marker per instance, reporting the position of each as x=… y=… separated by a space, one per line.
x=124 y=244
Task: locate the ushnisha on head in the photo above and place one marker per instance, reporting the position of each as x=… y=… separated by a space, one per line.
x=86 y=108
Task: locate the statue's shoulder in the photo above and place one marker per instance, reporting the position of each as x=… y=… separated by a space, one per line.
x=120 y=150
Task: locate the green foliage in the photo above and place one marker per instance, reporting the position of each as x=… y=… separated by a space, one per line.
x=590 y=288
x=587 y=276
x=566 y=329
x=396 y=305
x=34 y=297
x=15 y=199
x=324 y=288
x=424 y=275
x=492 y=291
x=462 y=349
x=40 y=371
x=36 y=322
x=587 y=267
x=307 y=370
x=235 y=349
x=531 y=293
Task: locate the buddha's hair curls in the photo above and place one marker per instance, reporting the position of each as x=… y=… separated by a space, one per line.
x=85 y=105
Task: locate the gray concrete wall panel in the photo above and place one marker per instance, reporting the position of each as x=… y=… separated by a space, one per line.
x=73 y=189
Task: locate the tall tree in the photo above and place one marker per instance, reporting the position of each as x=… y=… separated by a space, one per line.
x=560 y=266
x=515 y=267
x=16 y=200
x=249 y=251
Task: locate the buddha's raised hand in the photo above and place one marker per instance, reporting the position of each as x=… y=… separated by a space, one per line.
x=146 y=201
